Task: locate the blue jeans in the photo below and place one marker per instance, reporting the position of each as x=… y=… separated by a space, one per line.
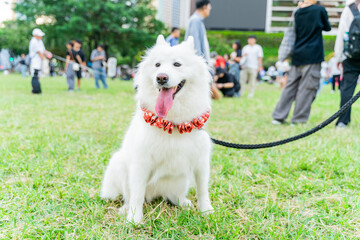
x=23 y=69
x=99 y=73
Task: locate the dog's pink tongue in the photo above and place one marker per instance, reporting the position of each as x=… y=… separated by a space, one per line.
x=164 y=101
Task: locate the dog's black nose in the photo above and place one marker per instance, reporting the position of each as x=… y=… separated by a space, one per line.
x=162 y=78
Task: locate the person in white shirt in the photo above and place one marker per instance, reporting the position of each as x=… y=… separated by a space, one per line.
x=37 y=53
x=334 y=72
x=251 y=64
x=351 y=66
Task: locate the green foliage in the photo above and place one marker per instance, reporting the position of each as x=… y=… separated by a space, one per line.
x=16 y=36
x=126 y=27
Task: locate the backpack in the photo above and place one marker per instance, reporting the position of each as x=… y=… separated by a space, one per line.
x=354 y=34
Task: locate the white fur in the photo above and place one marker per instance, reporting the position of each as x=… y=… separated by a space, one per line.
x=152 y=163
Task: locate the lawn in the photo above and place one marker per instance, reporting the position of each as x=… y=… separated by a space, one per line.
x=54 y=149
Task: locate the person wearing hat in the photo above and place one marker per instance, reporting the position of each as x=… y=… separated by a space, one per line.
x=37 y=53
x=98 y=57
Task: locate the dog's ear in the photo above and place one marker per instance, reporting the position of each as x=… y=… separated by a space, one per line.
x=161 y=40
x=190 y=42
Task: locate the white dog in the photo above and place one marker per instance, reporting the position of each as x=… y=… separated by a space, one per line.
x=164 y=149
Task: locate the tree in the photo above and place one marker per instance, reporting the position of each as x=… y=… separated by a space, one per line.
x=126 y=27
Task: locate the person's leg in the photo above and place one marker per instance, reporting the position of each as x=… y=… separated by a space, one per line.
x=243 y=80
x=252 y=81
x=70 y=77
x=333 y=83
x=349 y=82
x=288 y=95
x=97 y=76
x=308 y=87
x=103 y=78
x=336 y=79
x=36 y=87
x=78 y=74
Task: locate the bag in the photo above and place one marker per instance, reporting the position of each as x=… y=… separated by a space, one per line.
x=353 y=48
x=288 y=42
x=76 y=67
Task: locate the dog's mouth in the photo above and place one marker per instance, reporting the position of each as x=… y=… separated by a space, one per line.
x=177 y=88
x=165 y=99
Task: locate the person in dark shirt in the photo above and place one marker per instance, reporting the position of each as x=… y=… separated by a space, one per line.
x=304 y=76
x=79 y=57
x=225 y=82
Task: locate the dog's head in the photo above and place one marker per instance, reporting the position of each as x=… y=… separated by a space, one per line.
x=173 y=81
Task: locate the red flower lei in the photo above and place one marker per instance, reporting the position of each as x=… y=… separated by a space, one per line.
x=196 y=123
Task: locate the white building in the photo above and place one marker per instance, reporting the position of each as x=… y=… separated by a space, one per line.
x=256 y=15
x=6 y=11
x=174 y=13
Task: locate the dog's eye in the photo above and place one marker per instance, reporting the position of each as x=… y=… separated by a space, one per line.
x=176 y=64
x=157 y=65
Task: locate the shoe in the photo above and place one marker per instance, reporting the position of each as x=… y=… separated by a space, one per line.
x=277 y=122
x=341 y=125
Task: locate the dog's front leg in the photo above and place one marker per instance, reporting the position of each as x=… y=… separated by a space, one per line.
x=137 y=186
x=202 y=180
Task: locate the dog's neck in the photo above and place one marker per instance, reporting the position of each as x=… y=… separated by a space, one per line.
x=154 y=120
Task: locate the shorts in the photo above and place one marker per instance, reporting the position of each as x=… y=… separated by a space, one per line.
x=78 y=74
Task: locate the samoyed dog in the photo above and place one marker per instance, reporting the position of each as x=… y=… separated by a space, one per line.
x=165 y=149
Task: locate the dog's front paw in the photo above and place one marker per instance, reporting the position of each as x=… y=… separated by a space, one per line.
x=134 y=216
x=206 y=208
x=186 y=203
x=123 y=210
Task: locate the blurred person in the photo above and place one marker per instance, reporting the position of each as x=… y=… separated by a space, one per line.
x=69 y=66
x=79 y=57
x=219 y=60
x=37 y=54
x=173 y=38
x=234 y=63
x=52 y=68
x=98 y=56
x=272 y=73
x=324 y=75
x=283 y=69
x=335 y=73
x=23 y=66
x=111 y=67
x=196 y=28
x=252 y=55
x=227 y=59
x=304 y=76
x=350 y=65
x=225 y=82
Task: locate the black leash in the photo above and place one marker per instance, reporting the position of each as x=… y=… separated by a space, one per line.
x=291 y=139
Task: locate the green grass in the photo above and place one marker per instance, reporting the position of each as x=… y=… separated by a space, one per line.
x=54 y=149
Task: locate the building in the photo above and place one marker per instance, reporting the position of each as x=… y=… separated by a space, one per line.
x=244 y=15
x=6 y=11
x=174 y=13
